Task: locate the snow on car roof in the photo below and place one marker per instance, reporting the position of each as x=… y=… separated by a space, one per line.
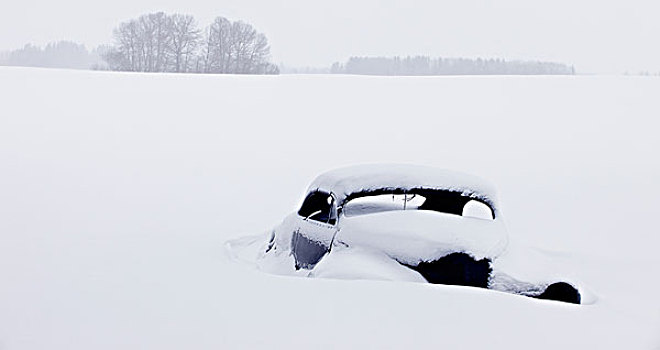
x=370 y=177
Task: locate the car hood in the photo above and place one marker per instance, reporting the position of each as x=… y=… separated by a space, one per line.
x=414 y=236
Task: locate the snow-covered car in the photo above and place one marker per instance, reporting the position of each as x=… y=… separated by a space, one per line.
x=400 y=222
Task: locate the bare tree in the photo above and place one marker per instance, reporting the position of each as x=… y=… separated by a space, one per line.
x=183 y=42
x=173 y=43
x=217 y=47
x=122 y=55
x=155 y=31
x=236 y=47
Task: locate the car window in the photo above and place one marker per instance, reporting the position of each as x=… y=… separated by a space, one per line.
x=319 y=206
x=306 y=252
x=382 y=202
x=444 y=201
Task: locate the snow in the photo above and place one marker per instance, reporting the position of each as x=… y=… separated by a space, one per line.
x=478 y=210
x=365 y=177
x=119 y=193
x=413 y=236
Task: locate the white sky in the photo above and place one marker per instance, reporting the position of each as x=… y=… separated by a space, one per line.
x=597 y=36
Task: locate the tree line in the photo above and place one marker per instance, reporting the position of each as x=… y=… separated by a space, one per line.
x=424 y=65
x=158 y=42
x=61 y=54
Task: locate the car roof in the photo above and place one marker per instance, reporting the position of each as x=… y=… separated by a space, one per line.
x=344 y=182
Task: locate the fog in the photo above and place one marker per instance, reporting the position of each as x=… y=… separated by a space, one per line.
x=594 y=36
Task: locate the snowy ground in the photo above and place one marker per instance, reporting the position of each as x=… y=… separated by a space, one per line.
x=119 y=191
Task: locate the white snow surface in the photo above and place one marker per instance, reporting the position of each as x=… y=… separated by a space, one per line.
x=121 y=195
x=364 y=177
x=413 y=236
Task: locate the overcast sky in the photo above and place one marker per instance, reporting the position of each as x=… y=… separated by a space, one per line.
x=597 y=36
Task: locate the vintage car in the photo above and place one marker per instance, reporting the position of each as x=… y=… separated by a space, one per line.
x=400 y=222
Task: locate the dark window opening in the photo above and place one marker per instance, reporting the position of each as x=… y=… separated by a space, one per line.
x=445 y=201
x=319 y=206
x=561 y=291
x=456 y=269
x=306 y=252
x=463 y=270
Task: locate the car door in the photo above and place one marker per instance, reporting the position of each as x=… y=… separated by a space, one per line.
x=316 y=228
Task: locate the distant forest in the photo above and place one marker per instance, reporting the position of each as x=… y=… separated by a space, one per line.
x=160 y=42
x=424 y=65
x=62 y=54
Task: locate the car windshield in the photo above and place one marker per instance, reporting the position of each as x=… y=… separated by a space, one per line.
x=443 y=201
x=319 y=206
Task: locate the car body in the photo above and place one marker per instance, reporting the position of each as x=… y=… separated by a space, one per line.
x=395 y=222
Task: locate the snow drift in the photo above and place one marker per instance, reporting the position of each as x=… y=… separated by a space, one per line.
x=119 y=192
